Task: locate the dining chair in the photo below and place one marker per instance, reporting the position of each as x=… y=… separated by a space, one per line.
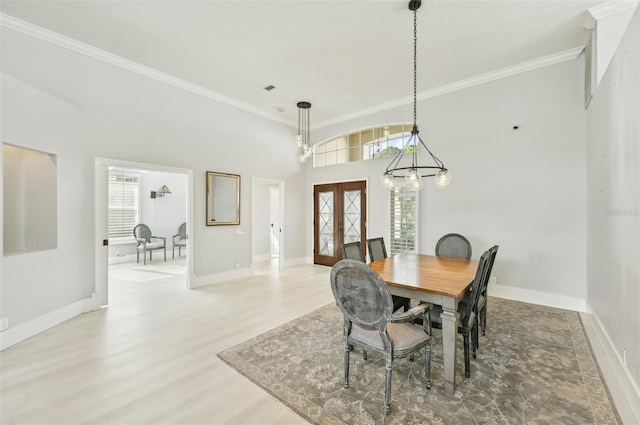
x=352 y=251
x=369 y=322
x=144 y=237
x=180 y=240
x=378 y=251
x=467 y=313
x=482 y=301
x=453 y=245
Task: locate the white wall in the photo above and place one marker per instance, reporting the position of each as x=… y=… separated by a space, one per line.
x=524 y=190
x=78 y=108
x=613 y=158
x=38 y=283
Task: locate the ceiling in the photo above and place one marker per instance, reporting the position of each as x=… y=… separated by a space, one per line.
x=345 y=57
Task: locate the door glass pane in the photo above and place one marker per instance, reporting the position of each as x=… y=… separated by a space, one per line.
x=326 y=223
x=352 y=216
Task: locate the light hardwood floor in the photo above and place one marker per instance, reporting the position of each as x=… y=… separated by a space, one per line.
x=150 y=357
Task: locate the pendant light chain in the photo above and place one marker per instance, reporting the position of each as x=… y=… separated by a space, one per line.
x=415 y=68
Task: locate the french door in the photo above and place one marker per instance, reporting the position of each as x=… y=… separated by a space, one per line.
x=339 y=216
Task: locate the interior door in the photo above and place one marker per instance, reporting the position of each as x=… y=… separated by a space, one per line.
x=339 y=216
x=274 y=232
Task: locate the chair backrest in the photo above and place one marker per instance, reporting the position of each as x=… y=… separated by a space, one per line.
x=377 y=250
x=182 y=231
x=492 y=257
x=361 y=294
x=453 y=245
x=142 y=231
x=352 y=251
x=476 y=286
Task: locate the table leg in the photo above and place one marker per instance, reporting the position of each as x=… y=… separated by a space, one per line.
x=449 y=335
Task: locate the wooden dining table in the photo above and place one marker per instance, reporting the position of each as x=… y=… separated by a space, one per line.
x=437 y=280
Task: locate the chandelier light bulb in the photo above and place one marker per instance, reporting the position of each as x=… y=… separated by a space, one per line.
x=443 y=179
x=302 y=157
x=416 y=185
x=413 y=178
x=387 y=181
x=299 y=139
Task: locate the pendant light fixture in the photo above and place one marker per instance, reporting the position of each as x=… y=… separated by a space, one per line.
x=303 y=136
x=399 y=174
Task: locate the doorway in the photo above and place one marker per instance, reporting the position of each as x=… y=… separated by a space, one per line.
x=151 y=212
x=267 y=218
x=339 y=217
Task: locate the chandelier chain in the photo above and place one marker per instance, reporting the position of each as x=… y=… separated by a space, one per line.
x=415 y=67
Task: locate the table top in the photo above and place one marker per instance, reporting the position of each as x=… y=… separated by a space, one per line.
x=439 y=275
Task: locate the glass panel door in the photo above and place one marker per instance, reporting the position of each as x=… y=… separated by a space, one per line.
x=339 y=217
x=326 y=219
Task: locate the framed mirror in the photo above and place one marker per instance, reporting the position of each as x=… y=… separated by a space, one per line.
x=223 y=199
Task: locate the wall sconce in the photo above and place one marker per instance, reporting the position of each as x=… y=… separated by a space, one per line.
x=160 y=192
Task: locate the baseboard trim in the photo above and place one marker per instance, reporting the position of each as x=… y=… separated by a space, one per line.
x=624 y=391
x=19 y=333
x=211 y=279
x=537 y=297
x=292 y=262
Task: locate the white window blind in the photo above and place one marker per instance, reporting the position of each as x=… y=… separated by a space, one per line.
x=404 y=213
x=124 y=204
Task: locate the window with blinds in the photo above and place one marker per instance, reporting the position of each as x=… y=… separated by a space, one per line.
x=124 y=204
x=404 y=215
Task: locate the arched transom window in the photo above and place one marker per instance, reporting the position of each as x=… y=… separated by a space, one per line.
x=371 y=143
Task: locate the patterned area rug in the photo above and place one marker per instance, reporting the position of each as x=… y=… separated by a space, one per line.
x=534 y=366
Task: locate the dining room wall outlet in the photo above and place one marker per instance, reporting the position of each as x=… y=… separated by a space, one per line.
x=493 y=280
x=4 y=324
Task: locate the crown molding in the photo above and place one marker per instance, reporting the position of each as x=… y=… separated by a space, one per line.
x=611 y=8
x=85 y=49
x=99 y=54
x=531 y=65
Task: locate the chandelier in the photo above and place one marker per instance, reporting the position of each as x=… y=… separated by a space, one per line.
x=303 y=136
x=399 y=174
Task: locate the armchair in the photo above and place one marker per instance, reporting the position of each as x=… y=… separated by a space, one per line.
x=179 y=240
x=143 y=235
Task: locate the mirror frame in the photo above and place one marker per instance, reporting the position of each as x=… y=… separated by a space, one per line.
x=210 y=220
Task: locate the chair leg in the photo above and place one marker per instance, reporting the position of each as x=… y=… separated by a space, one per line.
x=151 y=255
x=347 y=350
x=474 y=337
x=484 y=317
x=387 y=390
x=427 y=366
x=173 y=255
x=467 y=361
x=145 y=256
x=138 y=257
